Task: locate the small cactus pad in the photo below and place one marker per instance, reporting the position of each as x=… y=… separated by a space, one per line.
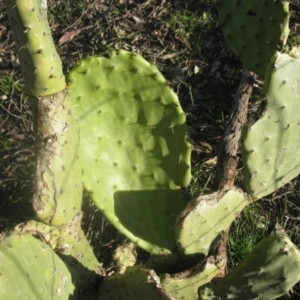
x=270 y=271
x=40 y=63
x=29 y=269
x=270 y=147
x=137 y=283
x=254 y=29
x=185 y=285
x=125 y=256
x=133 y=146
x=206 y=217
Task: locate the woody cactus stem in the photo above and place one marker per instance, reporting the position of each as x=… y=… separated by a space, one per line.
x=55 y=128
x=57 y=184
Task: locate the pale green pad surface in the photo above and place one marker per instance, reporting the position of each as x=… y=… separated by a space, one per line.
x=254 y=29
x=133 y=146
x=31 y=270
x=40 y=63
x=270 y=148
x=268 y=272
x=206 y=217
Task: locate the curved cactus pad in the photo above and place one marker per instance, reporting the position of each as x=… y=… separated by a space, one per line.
x=30 y=269
x=205 y=218
x=254 y=29
x=270 y=147
x=270 y=271
x=134 y=146
x=185 y=285
x=136 y=284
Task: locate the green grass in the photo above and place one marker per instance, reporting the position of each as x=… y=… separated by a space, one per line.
x=191 y=26
x=66 y=11
x=246 y=231
x=10 y=83
x=4 y=143
x=203 y=178
x=187 y=23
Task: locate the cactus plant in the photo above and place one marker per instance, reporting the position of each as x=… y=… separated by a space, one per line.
x=207 y=217
x=141 y=283
x=136 y=284
x=22 y=279
x=267 y=273
x=136 y=132
x=254 y=30
x=41 y=65
x=58 y=187
x=135 y=156
x=125 y=256
x=268 y=146
x=185 y=285
x=58 y=181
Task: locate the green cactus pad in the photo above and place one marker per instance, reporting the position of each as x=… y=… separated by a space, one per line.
x=254 y=29
x=125 y=256
x=270 y=271
x=29 y=269
x=270 y=147
x=205 y=218
x=134 y=148
x=185 y=285
x=40 y=63
x=74 y=248
x=137 y=283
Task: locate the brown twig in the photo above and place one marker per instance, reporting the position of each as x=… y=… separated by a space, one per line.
x=227 y=157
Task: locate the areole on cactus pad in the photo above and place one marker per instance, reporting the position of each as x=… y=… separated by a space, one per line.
x=133 y=146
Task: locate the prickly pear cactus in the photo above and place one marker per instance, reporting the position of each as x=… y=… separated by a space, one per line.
x=185 y=285
x=270 y=146
x=58 y=188
x=30 y=269
x=73 y=246
x=207 y=217
x=254 y=30
x=125 y=256
x=268 y=272
x=138 y=283
x=134 y=148
x=40 y=63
